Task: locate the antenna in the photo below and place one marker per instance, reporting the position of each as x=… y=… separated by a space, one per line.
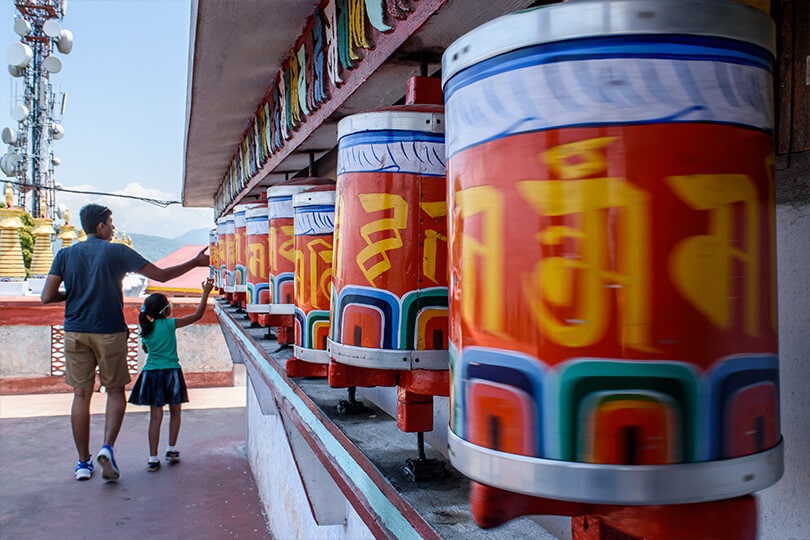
x=32 y=62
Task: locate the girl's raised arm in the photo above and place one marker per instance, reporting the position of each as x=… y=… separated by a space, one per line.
x=180 y=322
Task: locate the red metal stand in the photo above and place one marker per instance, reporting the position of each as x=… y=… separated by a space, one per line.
x=415 y=393
x=284 y=325
x=732 y=519
x=300 y=368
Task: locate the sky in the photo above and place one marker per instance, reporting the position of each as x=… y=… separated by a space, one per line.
x=124 y=120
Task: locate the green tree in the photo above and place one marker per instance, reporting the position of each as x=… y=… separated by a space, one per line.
x=27 y=241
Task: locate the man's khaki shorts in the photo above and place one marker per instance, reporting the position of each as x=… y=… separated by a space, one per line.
x=83 y=352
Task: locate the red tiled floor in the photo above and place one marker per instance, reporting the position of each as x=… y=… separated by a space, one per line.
x=210 y=494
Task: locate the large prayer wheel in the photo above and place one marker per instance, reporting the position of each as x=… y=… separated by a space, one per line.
x=389 y=285
x=213 y=250
x=240 y=246
x=256 y=271
x=281 y=264
x=227 y=252
x=613 y=331
x=314 y=230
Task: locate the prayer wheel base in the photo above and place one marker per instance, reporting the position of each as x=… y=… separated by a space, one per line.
x=300 y=368
x=271 y=320
x=731 y=519
x=345 y=376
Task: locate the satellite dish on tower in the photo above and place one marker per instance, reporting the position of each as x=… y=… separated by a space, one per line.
x=8 y=164
x=14 y=71
x=19 y=113
x=51 y=28
x=65 y=41
x=57 y=131
x=9 y=136
x=19 y=55
x=21 y=27
x=52 y=64
x=56 y=161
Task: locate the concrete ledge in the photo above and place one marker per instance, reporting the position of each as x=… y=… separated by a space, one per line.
x=56 y=384
x=364 y=457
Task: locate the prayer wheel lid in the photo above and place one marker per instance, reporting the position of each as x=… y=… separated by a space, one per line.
x=243 y=208
x=256 y=211
x=590 y=18
x=315 y=196
x=290 y=187
x=428 y=118
x=225 y=219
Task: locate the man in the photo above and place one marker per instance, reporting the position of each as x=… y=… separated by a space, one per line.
x=95 y=329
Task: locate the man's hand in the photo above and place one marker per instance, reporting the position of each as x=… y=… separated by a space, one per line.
x=202 y=258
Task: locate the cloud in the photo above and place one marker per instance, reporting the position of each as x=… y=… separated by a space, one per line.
x=139 y=217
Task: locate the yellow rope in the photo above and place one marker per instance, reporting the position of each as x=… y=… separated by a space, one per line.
x=357 y=27
x=295 y=108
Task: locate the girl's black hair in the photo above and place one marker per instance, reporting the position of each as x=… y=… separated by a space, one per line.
x=154 y=306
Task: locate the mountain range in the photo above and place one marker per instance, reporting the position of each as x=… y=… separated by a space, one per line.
x=156 y=247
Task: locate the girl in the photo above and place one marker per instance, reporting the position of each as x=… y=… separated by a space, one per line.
x=161 y=381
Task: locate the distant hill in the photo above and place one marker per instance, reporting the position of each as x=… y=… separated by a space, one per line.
x=157 y=247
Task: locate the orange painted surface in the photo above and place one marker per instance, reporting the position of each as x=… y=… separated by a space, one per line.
x=732 y=519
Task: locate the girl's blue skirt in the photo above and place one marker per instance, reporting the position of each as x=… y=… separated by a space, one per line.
x=159 y=387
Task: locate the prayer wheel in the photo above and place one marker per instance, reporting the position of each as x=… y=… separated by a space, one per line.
x=258 y=287
x=281 y=255
x=240 y=251
x=213 y=249
x=389 y=284
x=314 y=230
x=227 y=248
x=613 y=333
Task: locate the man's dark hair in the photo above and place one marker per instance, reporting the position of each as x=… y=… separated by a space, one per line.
x=93 y=214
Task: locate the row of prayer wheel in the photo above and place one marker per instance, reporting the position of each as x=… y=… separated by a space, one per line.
x=578 y=249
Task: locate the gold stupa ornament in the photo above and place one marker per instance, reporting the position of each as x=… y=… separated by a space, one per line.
x=12 y=267
x=67 y=232
x=43 y=252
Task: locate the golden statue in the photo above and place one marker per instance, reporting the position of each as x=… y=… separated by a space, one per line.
x=9 y=195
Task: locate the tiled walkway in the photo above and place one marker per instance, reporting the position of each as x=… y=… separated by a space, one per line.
x=210 y=494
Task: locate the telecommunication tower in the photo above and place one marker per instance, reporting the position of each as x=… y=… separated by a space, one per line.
x=37 y=105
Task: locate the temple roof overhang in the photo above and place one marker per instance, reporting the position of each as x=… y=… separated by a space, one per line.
x=238 y=48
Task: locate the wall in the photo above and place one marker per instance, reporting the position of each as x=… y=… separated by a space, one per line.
x=25 y=342
x=26 y=351
x=783 y=507
x=280 y=488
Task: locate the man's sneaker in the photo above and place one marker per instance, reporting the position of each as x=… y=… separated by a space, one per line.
x=106 y=458
x=172 y=456
x=152 y=466
x=84 y=470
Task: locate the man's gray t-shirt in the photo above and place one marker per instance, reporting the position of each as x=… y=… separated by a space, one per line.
x=93 y=272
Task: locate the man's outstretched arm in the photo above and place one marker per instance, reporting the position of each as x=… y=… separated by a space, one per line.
x=165 y=274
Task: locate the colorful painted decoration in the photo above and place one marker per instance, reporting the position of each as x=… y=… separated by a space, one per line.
x=390 y=269
x=258 y=287
x=612 y=277
x=314 y=226
x=330 y=43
